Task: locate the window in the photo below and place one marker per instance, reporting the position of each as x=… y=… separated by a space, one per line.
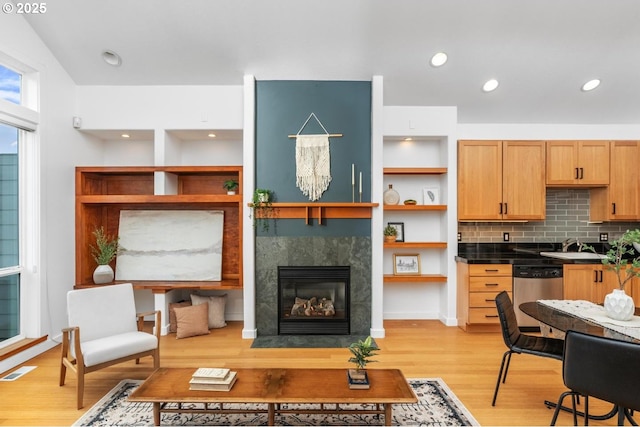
x=18 y=120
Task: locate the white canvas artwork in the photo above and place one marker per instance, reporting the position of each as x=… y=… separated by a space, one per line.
x=170 y=245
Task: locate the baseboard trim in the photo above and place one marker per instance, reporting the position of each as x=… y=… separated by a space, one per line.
x=20 y=346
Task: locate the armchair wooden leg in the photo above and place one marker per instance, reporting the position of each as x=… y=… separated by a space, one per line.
x=63 y=372
x=80 y=388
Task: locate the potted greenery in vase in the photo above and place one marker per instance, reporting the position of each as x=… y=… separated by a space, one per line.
x=103 y=252
x=362 y=351
x=262 y=207
x=230 y=185
x=623 y=258
x=390 y=234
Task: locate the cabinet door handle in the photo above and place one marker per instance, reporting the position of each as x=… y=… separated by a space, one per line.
x=491 y=284
x=595 y=276
x=488 y=316
x=577 y=173
x=506 y=208
x=601 y=276
x=581 y=173
x=500 y=208
x=489 y=300
x=613 y=207
x=487 y=270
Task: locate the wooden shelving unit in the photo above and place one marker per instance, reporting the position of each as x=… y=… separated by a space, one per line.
x=102 y=192
x=422 y=278
x=425 y=166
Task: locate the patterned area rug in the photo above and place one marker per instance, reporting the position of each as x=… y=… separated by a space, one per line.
x=437 y=406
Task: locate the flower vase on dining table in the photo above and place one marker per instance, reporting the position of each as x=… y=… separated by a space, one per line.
x=618 y=305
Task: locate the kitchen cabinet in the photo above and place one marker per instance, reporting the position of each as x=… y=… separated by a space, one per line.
x=478 y=285
x=577 y=163
x=501 y=180
x=620 y=201
x=590 y=282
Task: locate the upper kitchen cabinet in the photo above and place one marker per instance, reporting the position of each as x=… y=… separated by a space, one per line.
x=501 y=180
x=620 y=201
x=577 y=163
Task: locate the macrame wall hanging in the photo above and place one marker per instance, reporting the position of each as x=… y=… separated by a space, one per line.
x=313 y=161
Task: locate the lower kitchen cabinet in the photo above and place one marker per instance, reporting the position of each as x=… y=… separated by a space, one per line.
x=478 y=285
x=591 y=282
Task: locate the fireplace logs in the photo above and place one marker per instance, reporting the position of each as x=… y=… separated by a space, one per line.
x=313 y=307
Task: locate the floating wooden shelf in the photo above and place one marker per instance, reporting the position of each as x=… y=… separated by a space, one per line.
x=415 y=207
x=414 y=171
x=409 y=245
x=150 y=198
x=162 y=287
x=320 y=211
x=422 y=278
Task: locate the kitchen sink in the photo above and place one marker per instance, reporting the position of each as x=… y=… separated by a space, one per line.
x=574 y=255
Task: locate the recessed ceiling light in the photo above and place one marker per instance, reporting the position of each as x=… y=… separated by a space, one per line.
x=590 y=85
x=408 y=139
x=490 y=85
x=212 y=135
x=111 y=58
x=438 y=59
x=125 y=135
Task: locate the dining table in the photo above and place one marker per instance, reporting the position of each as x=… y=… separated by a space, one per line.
x=582 y=316
x=559 y=316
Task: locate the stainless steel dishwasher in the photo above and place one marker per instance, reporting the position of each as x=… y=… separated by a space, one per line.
x=531 y=283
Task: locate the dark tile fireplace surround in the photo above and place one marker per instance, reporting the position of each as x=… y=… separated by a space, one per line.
x=274 y=251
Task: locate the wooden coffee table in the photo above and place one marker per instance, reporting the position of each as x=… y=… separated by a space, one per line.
x=272 y=387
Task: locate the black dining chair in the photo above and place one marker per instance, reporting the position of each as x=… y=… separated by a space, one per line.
x=518 y=342
x=604 y=368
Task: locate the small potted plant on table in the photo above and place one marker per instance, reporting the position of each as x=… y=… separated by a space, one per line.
x=103 y=253
x=362 y=351
x=623 y=258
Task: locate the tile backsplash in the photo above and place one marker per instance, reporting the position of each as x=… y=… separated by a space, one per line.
x=567 y=216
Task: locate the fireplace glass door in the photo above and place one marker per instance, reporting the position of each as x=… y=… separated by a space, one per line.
x=313 y=300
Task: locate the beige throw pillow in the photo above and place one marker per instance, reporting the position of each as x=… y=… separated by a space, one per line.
x=192 y=321
x=173 y=324
x=217 y=304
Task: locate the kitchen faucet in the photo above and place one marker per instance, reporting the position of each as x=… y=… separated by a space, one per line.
x=570 y=241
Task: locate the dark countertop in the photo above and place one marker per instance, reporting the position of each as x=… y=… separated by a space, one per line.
x=516 y=253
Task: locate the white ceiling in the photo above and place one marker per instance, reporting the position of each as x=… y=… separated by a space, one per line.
x=541 y=51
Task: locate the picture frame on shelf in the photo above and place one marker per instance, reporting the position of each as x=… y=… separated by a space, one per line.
x=406 y=264
x=399 y=226
x=431 y=195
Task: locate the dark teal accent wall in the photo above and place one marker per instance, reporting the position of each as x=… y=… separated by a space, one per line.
x=343 y=107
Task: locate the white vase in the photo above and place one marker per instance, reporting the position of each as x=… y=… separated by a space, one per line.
x=618 y=305
x=103 y=274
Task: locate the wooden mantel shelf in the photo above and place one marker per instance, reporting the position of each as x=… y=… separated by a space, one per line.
x=320 y=211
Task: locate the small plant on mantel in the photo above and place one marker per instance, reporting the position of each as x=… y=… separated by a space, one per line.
x=262 y=208
x=362 y=351
x=106 y=247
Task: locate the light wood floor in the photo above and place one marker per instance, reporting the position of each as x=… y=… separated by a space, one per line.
x=468 y=363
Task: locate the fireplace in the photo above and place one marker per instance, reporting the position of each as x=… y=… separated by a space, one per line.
x=313 y=300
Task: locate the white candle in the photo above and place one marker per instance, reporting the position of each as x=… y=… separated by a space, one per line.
x=361 y=182
x=353 y=174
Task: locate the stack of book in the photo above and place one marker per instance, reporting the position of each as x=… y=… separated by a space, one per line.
x=215 y=379
x=358 y=379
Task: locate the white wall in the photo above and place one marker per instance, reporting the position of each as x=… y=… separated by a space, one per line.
x=53 y=267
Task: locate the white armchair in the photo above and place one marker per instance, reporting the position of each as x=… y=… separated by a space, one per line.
x=103 y=331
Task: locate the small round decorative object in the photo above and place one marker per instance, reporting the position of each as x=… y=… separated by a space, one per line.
x=618 y=305
x=410 y=202
x=391 y=196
